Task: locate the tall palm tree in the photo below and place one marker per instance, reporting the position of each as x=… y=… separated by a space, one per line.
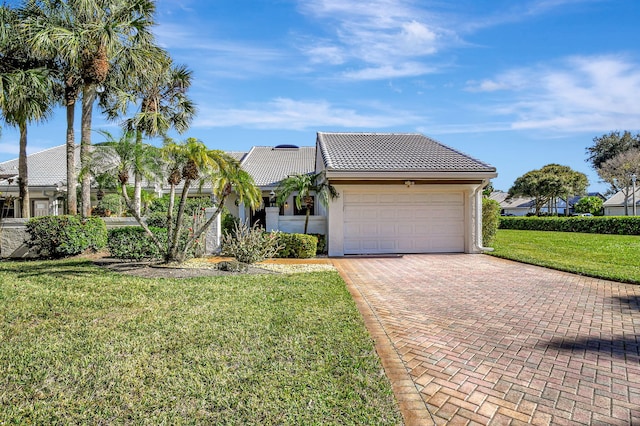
x=305 y=185
x=87 y=36
x=27 y=93
x=43 y=22
x=160 y=94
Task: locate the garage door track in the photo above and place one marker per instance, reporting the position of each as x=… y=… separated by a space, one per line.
x=476 y=340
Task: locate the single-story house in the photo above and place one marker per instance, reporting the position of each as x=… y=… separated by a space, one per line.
x=615 y=205
x=514 y=206
x=521 y=206
x=398 y=192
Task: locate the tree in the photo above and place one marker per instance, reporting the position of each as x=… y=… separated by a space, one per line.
x=591 y=204
x=607 y=146
x=87 y=36
x=549 y=183
x=160 y=94
x=618 y=172
x=305 y=185
x=27 y=92
x=189 y=162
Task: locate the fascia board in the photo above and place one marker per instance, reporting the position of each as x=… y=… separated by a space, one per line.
x=333 y=174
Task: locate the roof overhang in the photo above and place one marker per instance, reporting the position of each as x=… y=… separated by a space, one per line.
x=339 y=175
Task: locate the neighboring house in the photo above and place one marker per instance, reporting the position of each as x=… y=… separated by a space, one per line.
x=515 y=206
x=615 y=206
x=521 y=206
x=398 y=192
x=47 y=174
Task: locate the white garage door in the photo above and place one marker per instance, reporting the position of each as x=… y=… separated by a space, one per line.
x=403 y=223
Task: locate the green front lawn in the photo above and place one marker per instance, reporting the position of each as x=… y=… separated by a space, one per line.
x=614 y=257
x=79 y=344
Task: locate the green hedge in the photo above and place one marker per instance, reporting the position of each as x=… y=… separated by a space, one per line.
x=299 y=246
x=133 y=243
x=622 y=225
x=60 y=236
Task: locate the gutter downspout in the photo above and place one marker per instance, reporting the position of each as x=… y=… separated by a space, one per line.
x=479 y=215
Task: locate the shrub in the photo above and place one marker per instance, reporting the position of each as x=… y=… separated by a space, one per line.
x=109 y=205
x=591 y=204
x=159 y=220
x=299 y=246
x=60 y=236
x=622 y=225
x=228 y=222
x=133 y=243
x=322 y=243
x=192 y=205
x=249 y=244
x=490 y=220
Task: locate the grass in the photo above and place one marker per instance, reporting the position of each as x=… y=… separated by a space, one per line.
x=79 y=344
x=613 y=257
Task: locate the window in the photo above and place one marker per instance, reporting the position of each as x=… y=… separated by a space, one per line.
x=303 y=210
x=6 y=208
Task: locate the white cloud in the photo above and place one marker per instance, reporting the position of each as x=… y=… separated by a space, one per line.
x=579 y=94
x=290 y=114
x=379 y=39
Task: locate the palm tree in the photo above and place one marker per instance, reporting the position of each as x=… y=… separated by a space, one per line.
x=87 y=36
x=26 y=91
x=44 y=22
x=161 y=95
x=305 y=185
x=119 y=157
x=195 y=163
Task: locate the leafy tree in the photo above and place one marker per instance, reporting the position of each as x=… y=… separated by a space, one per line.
x=607 y=146
x=591 y=204
x=27 y=92
x=618 y=172
x=548 y=183
x=305 y=185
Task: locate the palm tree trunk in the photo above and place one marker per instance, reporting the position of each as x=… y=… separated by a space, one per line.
x=23 y=175
x=88 y=97
x=72 y=195
x=306 y=221
x=137 y=185
x=172 y=197
x=172 y=253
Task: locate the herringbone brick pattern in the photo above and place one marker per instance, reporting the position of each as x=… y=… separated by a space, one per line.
x=492 y=342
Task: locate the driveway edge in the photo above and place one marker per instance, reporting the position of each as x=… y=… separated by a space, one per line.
x=413 y=408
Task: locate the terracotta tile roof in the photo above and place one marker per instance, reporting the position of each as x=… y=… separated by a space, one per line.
x=269 y=165
x=390 y=152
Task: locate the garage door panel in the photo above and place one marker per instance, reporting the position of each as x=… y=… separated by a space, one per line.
x=403 y=223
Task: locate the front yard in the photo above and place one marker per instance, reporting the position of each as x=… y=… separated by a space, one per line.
x=613 y=257
x=80 y=344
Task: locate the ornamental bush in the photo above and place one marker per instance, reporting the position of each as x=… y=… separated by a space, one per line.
x=249 y=244
x=133 y=243
x=622 y=225
x=299 y=246
x=61 y=236
x=490 y=220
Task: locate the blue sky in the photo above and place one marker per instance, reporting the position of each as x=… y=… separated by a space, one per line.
x=517 y=84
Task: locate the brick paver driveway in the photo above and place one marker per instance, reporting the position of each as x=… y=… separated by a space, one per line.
x=489 y=341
